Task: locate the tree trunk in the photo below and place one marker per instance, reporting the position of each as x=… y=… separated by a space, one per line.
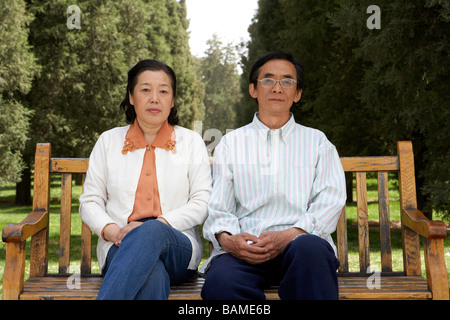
x=349 y=183
x=23 y=188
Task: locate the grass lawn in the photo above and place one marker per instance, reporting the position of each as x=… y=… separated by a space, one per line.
x=9 y=213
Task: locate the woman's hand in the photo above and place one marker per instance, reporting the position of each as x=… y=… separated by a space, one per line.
x=163 y=220
x=112 y=232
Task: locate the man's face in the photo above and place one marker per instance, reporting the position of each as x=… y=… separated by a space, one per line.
x=275 y=101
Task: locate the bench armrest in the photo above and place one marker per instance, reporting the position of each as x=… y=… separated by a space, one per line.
x=430 y=229
x=32 y=224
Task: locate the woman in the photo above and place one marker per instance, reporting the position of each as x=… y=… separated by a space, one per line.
x=146 y=191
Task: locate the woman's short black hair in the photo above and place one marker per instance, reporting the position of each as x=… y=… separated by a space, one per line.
x=133 y=74
x=278 y=55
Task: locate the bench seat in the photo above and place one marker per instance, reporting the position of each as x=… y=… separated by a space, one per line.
x=353 y=288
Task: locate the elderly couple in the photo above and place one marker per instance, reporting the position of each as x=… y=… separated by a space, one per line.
x=273 y=201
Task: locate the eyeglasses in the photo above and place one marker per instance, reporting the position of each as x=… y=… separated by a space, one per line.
x=286 y=83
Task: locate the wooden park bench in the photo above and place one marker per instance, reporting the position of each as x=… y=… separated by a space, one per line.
x=363 y=284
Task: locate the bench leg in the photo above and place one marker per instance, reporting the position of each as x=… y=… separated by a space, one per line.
x=436 y=271
x=13 y=277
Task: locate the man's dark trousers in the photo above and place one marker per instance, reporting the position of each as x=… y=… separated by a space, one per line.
x=306 y=270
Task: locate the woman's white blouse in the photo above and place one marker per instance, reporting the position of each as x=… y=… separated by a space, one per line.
x=184 y=185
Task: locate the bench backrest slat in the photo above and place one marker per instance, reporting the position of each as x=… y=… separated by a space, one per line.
x=362 y=221
x=69 y=165
x=65 y=223
x=367 y=164
x=342 y=241
x=86 y=245
x=385 y=234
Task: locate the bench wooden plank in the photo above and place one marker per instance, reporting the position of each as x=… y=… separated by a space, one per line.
x=366 y=164
x=385 y=233
x=41 y=202
x=363 y=221
x=403 y=287
x=435 y=268
x=86 y=249
x=341 y=243
x=14 y=270
x=392 y=287
x=65 y=223
x=61 y=165
x=56 y=288
x=407 y=183
x=86 y=244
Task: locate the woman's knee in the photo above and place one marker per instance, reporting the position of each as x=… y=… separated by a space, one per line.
x=148 y=231
x=152 y=227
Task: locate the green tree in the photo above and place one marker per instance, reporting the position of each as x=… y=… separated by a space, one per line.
x=300 y=27
x=368 y=88
x=404 y=88
x=218 y=70
x=190 y=91
x=17 y=68
x=14 y=123
x=84 y=71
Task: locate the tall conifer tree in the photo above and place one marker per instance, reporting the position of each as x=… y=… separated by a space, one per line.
x=368 y=88
x=17 y=68
x=84 y=70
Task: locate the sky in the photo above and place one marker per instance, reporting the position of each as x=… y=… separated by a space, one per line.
x=229 y=19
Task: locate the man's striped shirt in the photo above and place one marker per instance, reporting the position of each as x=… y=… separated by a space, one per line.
x=272 y=180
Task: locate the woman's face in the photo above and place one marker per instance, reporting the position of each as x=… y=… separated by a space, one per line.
x=152 y=98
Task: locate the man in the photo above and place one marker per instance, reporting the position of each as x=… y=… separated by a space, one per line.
x=278 y=191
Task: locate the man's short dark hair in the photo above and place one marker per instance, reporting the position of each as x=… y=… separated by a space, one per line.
x=279 y=55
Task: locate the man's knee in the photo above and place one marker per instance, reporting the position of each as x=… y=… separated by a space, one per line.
x=310 y=247
x=309 y=270
x=309 y=243
x=216 y=287
x=219 y=280
x=229 y=279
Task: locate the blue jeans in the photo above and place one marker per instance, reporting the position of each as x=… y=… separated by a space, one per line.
x=306 y=270
x=150 y=258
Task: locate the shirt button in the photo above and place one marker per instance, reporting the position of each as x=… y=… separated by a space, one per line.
x=148 y=173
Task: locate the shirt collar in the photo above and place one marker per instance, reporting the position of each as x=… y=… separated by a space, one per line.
x=134 y=138
x=264 y=131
